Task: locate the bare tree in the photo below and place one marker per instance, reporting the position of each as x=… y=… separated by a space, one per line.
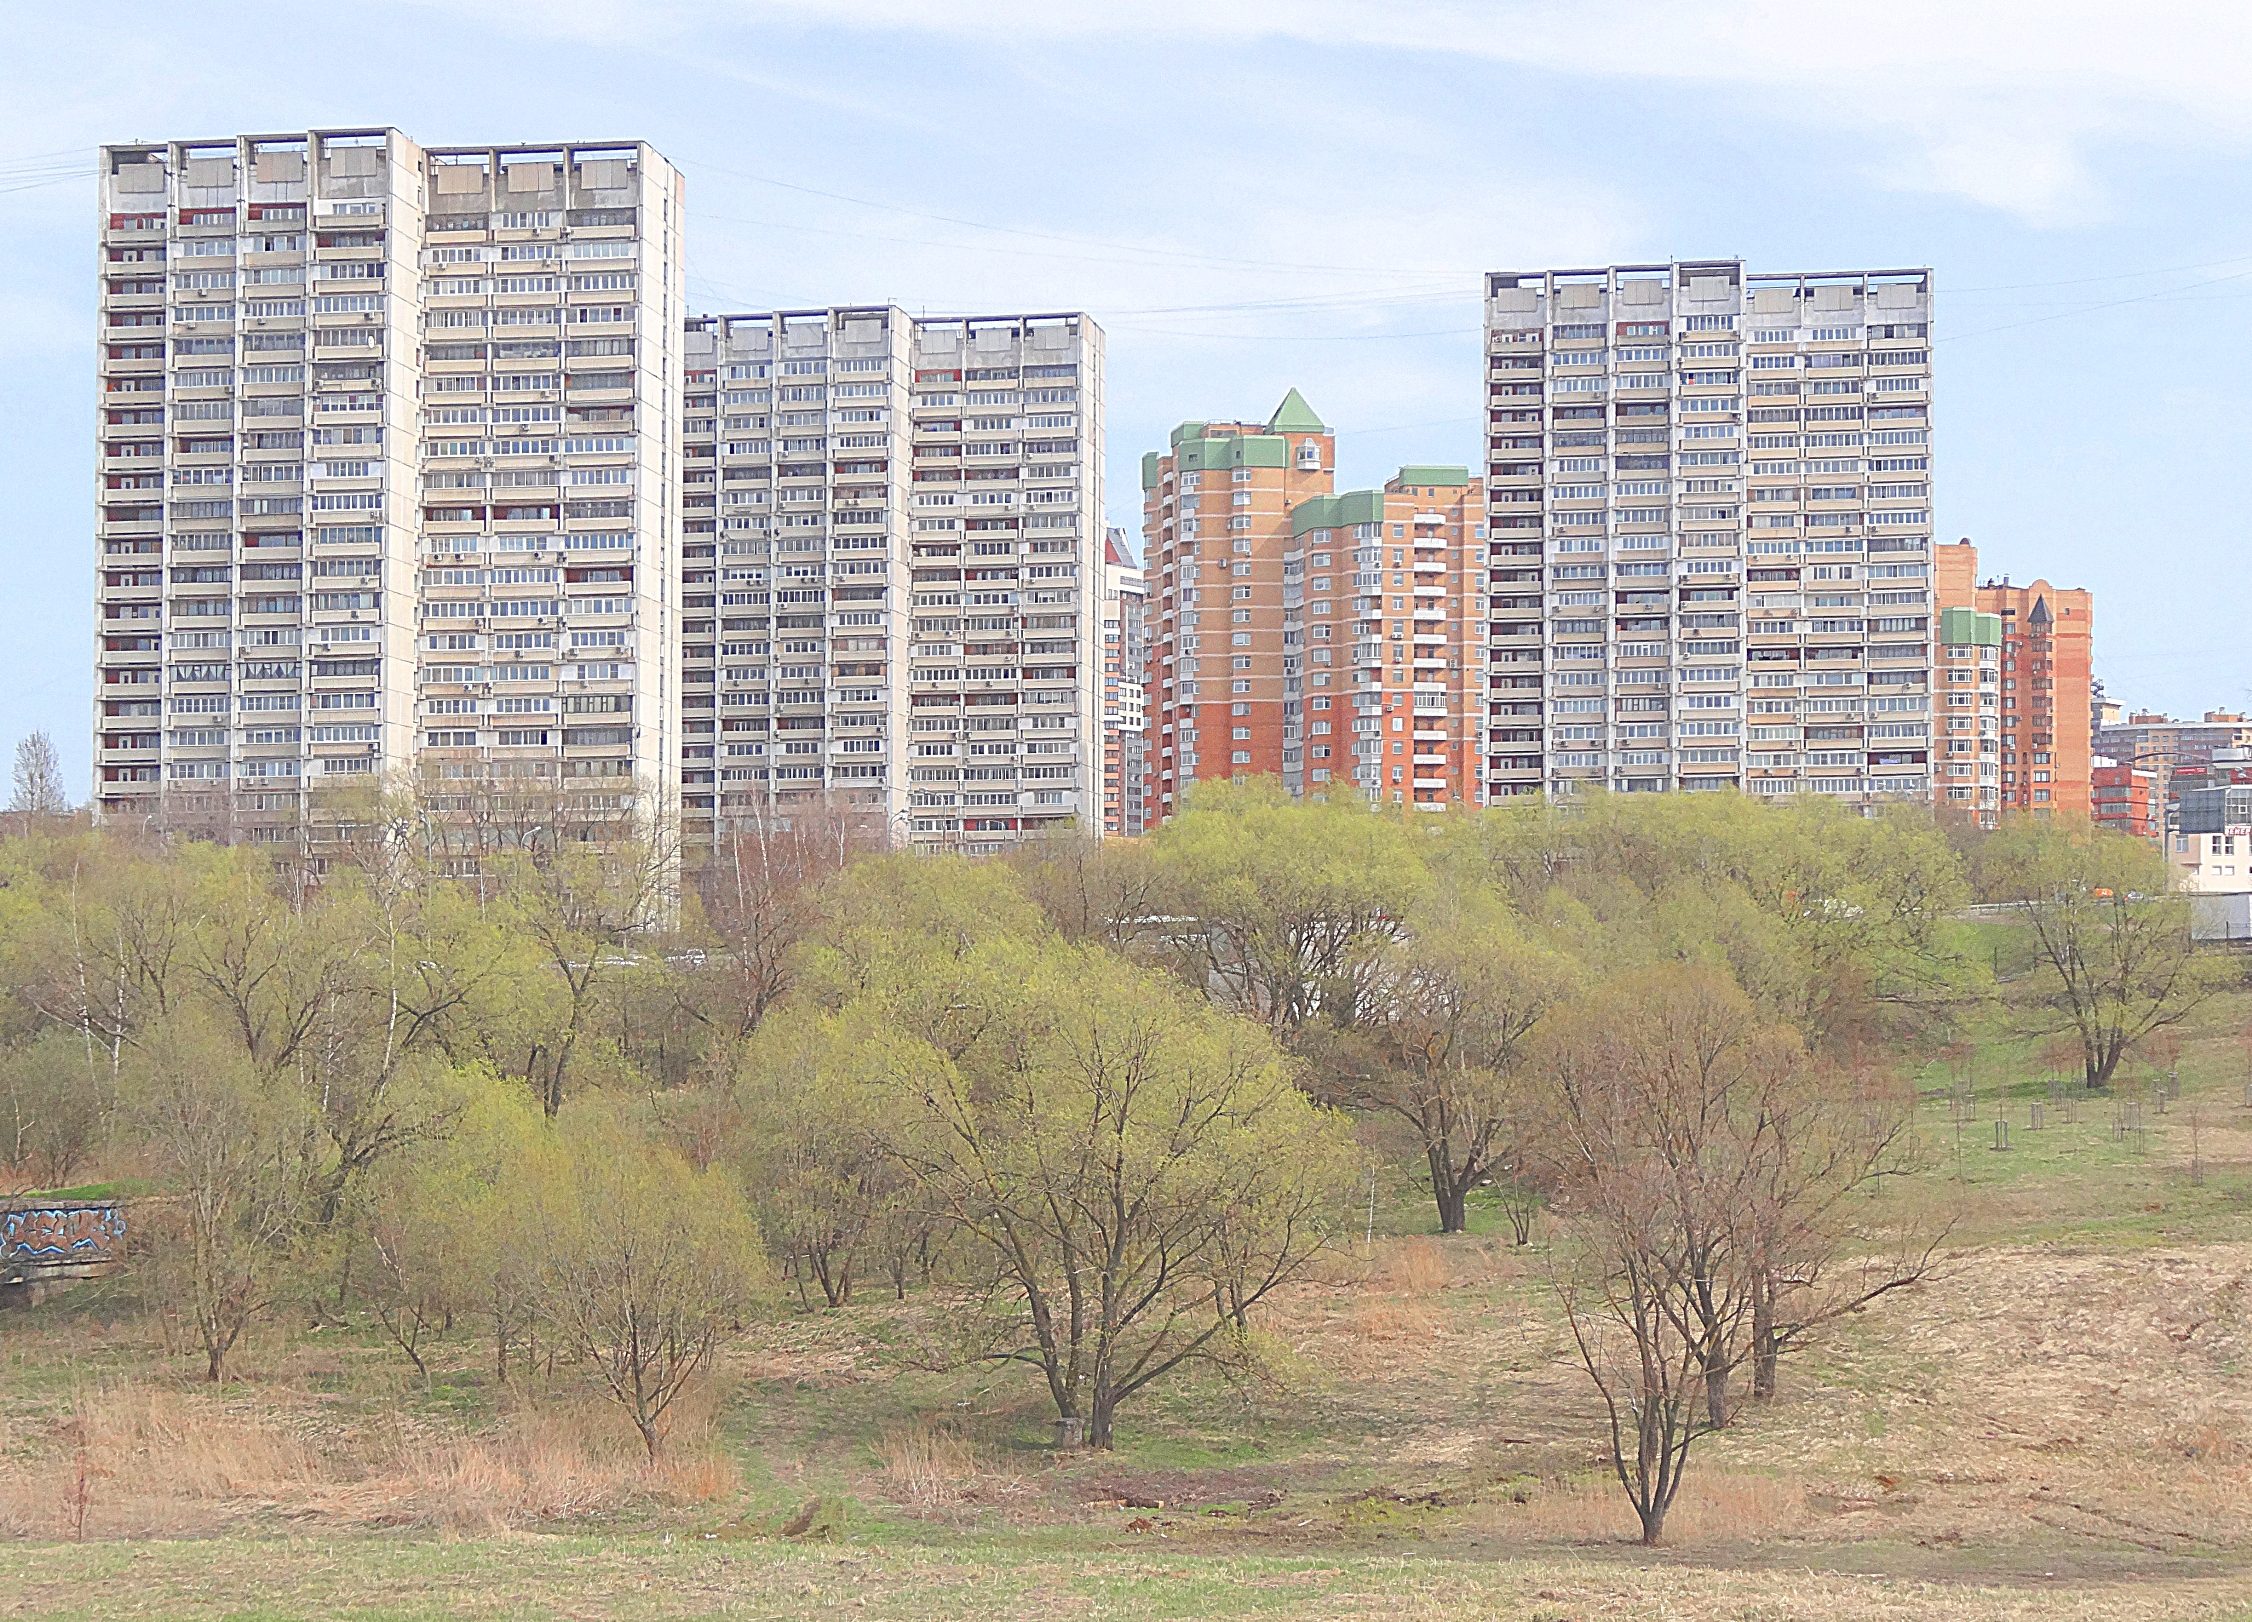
x=1815 y=1246
x=1091 y=889
x=761 y=896
x=39 y=779
x=1654 y=1174
x=1626 y=1288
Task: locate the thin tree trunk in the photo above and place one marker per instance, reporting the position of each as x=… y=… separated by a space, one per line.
x=1764 y=1348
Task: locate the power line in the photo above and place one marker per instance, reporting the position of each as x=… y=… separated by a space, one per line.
x=53 y=180
x=1404 y=427
x=2091 y=309
x=1051 y=236
x=61 y=152
x=2084 y=281
x=1300 y=338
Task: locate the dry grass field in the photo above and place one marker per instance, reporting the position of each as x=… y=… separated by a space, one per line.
x=2056 y=1426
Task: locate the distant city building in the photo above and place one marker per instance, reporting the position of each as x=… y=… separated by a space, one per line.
x=2221 y=769
x=2102 y=711
x=2124 y=797
x=1725 y=478
x=894 y=572
x=2211 y=839
x=1125 y=753
x=2040 y=724
x=1968 y=673
x=2162 y=745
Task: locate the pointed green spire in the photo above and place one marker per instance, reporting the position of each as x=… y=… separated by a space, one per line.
x=1295 y=416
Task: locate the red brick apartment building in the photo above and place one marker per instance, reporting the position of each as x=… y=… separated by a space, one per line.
x=1303 y=634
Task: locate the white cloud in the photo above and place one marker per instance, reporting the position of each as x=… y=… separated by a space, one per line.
x=2003 y=102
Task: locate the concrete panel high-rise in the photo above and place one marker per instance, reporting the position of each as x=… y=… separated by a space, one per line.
x=1125 y=718
x=1709 y=497
x=895 y=572
x=386 y=438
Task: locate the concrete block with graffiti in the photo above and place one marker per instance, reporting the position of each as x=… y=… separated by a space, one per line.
x=46 y=1242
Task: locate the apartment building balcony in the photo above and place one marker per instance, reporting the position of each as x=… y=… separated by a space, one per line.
x=138 y=365
x=119 y=602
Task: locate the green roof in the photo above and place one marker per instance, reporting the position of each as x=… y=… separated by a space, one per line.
x=1295 y=416
x=1149 y=470
x=1231 y=450
x=1337 y=512
x=1187 y=430
x=1433 y=474
x=1967 y=627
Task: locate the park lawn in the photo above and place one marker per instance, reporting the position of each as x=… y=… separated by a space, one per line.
x=367 y=1578
x=2054 y=1427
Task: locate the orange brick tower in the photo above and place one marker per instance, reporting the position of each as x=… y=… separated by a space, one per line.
x=2046 y=672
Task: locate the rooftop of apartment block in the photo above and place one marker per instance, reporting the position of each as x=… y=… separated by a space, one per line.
x=2158 y=718
x=1349 y=507
x=1198 y=446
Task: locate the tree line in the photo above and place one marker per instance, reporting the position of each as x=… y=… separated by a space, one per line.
x=1096 y=1099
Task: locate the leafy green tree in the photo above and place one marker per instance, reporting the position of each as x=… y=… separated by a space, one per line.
x=2113 y=961
x=454 y=1227
x=645 y=1267
x=492 y=1180
x=1134 y=1167
x=587 y=907
x=1833 y=922
x=1445 y=1014
x=886 y=918
x=812 y=1142
x=50 y=1117
x=1280 y=906
x=222 y=1138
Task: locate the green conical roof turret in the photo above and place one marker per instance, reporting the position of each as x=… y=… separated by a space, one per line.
x=1295 y=416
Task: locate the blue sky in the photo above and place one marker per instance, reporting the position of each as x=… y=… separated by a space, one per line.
x=1256 y=195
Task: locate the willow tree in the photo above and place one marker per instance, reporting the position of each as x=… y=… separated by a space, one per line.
x=645 y=1266
x=2114 y=965
x=1443 y=1020
x=1278 y=906
x=1129 y=1169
